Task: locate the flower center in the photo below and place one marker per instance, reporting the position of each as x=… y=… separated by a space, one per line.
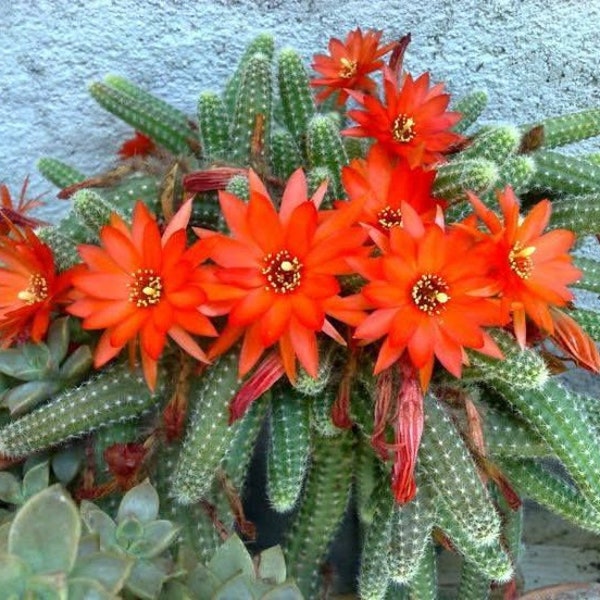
x=519 y=259
x=36 y=291
x=403 y=129
x=389 y=217
x=430 y=294
x=146 y=288
x=283 y=272
x=348 y=68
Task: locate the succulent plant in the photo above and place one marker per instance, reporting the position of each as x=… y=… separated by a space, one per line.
x=483 y=439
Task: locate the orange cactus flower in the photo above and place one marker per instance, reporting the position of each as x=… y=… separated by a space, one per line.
x=383 y=183
x=412 y=122
x=138 y=145
x=533 y=269
x=431 y=295
x=142 y=285
x=278 y=273
x=30 y=288
x=349 y=64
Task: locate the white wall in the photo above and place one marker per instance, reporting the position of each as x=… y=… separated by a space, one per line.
x=534 y=57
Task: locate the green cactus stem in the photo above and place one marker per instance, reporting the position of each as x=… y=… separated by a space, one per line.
x=472 y=585
x=470 y=106
x=580 y=214
x=64 y=248
x=411 y=535
x=523 y=369
x=516 y=171
x=491 y=559
x=289 y=449
x=374 y=577
x=324 y=502
x=533 y=480
x=114 y=394
x=93 y=211
x=476 y=174
x=59 y=173
x=589 y=320
x=424 y=583
x=325 y=149
x=560 y=418
x=565 y=174
x=496 y=144
x=209 y=434
x=507 y=435
x=263 y=44
x=251 y=124
x=452 y=473
x=296 y=95
x=365 y=477
x=570 y=128
x=213 y=121
x=591 y=273
x=166 y=126
x=240 y=451
x=285 y=154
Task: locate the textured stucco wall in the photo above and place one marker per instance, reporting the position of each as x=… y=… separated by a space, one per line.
x=534 y=57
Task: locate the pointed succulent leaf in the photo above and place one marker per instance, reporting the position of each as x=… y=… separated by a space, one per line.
x=141 y=502
x=145 y=580
x=231 y=558
x=10 y=488
x=36 y=479
x=156 y=538
x=202 y=582
x=129 y=531
x=81 y=588
x=57 y=339
x=46 y=531
x=238 y=587
x=285 y=591
x=100 y=523
x=109 y=569
x=271 y=565
x=66 y=463
x=77 y=364
x=29 y=362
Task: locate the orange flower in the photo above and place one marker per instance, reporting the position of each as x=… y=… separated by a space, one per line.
x=30 y=288
x=431 y=296
x=349 y=65
x=142 y=284
x=138 y=145
x=278 y=273
x=533 y=269
x=383 y=183
x=412 y=123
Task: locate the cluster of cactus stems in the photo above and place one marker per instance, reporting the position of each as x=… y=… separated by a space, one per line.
x=108 y=431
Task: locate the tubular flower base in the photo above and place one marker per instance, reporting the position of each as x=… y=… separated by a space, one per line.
x=143 y=284
x=395 y=337
x=278 y=273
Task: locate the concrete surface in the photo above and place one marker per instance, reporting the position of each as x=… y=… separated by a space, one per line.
x=535 y=57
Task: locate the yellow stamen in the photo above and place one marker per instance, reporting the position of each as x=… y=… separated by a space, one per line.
x=403 y=129
x=283 y=272
x=36 y=291
x=349 y=68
